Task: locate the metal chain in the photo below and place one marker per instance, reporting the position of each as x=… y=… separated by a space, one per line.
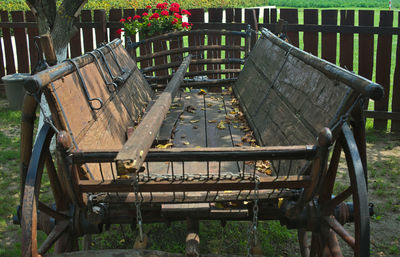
x=252 y=231
x=192 y=177
x=139 y=219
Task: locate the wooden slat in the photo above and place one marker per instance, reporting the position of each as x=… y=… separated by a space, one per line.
x=86 y=16
x=346 y=40
x=329 y=17
x=192 y=186
x=115 y=15
x=20 y=43
x=394 y=116
x=291 y=16
x=214 y=15
x=10 y=64
x=311 y=38
x=196 y=40
x=75 y=43
x=251 y=18
x=145 y=48
x=366 y=45
x=396 y=86
x=383 y=61
x=32 y=32
x=100 y=30
x=273 y=15
x=233 y=15
x=158 y=46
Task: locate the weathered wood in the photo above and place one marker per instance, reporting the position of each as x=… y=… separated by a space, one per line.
x=366 y=45
x=86 y=16
x=101 y=30
x=196 y=39
x=192 y=238
x=134 y=151
x=75 y=43
x=396 y=88
x=383 y=61
x=215 y=15
x=32 y=32
x=48 y=49
x=115 y=15
x=329 y=17
x=346 y=40
x=291 y=16
x=9 y=53
x=311 y=38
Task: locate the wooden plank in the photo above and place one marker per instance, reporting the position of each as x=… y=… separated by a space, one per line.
x=366 y=45
x=346 y=40
x=158 y=46
x=383 y=61
x=251 y=18
x=396 y=86
x=75 y=43
x=114 y=15
x=291 y=16
x=32 y=32
x=99 y=16
x=329 y=17
x=214 y=15
x=233 y=15
x=133 y=153
x=311 y=38
x=273 y=15
x=9 y=53
x=145 y=48
x=86 y=16
x=196 y=40
x=20 y=43
x=394 y=116
x=168 y=126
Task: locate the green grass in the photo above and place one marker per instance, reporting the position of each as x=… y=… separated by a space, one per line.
x=334 y=3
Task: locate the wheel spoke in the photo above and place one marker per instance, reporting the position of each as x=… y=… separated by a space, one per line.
x=330 y=206
x=303 y=241
x=331 y=173
x=334 y=246
x=55 y=234
x=55 y=214
x=340 y=230
x=314 y=246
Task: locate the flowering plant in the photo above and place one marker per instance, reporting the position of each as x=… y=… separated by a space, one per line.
x=163 y=19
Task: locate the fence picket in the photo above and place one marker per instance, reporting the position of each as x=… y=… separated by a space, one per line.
x=310 y=39
x=9 y=53
x=366 y=45
x=346 y=40
x=291 y=16
x=32 y=32
x=214 y=15
x=329 y=17
x=396 y=86
x=101 y=29
x=251 y=18
x=195 y=40
x=75 y=43
x=86 y=16
x=383 y=61
x=233 y=15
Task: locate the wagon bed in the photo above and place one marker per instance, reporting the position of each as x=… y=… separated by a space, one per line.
x=256 y=150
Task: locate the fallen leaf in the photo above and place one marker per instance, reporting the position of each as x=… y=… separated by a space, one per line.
x=195 y=127
x=209 y=105
x=185 y=143
x=202 y=92
x=190 y=109
x=160 y=146
x=194 y=121
x=221 y=125
x=239 y=144
x=212 y=121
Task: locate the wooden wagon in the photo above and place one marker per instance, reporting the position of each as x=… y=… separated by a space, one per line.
x=259 y=141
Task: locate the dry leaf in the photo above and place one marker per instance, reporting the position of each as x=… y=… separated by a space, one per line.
x=202 y=92
x=185 y=143
x=190 y=109
x=212 y=121
x=221 y=125
x=194 y=121
x=195 y=127
x=160 y=146
x=209 y=105
x=239 y=144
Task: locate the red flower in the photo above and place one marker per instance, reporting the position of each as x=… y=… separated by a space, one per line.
x=148 y=7
x=174 y=21
x=129 y=18
x=148 y=24
x=164 y=13
x=136 y=17
x=176 y=5
x=186 y=12
x=154 y=16
x=177 y=15
x=174 y=9
x=161 y=6
x=185 y=25
x=122 y=20
x=145 y=14
x=119 y=31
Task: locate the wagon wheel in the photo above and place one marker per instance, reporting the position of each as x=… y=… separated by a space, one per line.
x=331 y=212
x=37 y=215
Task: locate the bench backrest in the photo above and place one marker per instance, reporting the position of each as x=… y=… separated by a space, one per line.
x=91 y=124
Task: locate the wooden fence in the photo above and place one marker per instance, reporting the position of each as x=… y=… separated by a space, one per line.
x=332 y=34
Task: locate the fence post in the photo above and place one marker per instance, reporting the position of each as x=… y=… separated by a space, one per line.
x=310 y=39
x=396 y=87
